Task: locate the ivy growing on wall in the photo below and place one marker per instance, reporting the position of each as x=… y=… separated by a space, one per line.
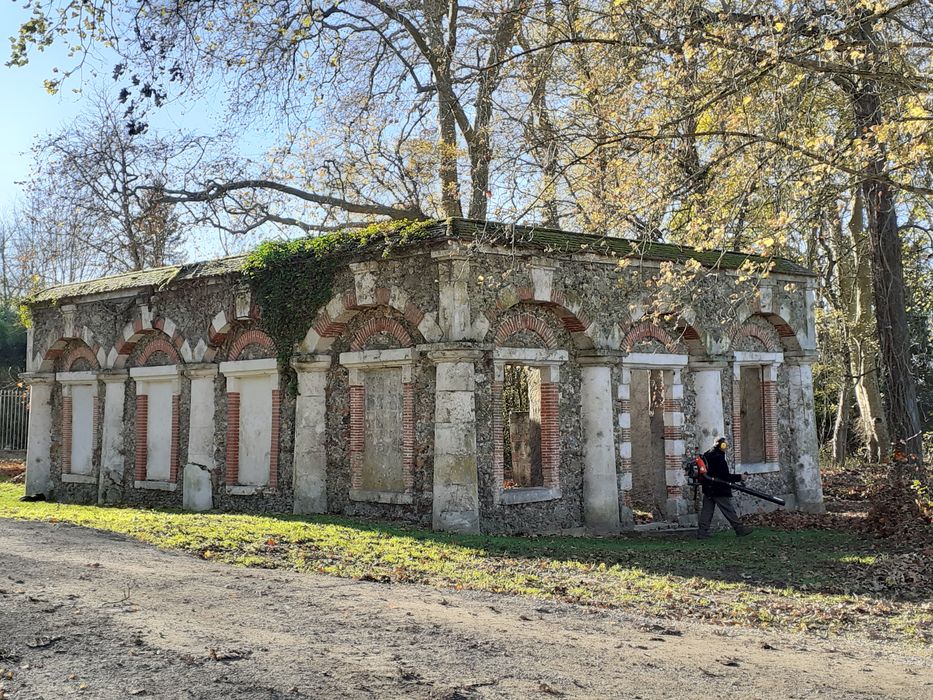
x=292 y=280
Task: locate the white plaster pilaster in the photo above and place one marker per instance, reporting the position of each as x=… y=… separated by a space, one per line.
x=456 y=482
x=600 y=484
x=807 y=481
x=38 y=448
x=197 y=485
x=454 y=309
x=310 y=461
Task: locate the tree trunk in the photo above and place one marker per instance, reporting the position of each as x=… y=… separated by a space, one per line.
x=862 y=336
x=841 y=426
x=890 y=296
x=447 y=157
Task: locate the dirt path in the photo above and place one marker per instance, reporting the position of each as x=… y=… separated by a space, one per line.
x=90 y=614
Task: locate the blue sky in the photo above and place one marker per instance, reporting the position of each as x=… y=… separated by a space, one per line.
x=28 y=111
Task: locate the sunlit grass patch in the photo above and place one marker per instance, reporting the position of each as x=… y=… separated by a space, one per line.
x=805 y=580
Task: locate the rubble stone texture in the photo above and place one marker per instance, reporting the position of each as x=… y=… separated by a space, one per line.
x=392 y=404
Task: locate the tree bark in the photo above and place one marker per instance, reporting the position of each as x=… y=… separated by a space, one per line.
x=856 y=291
x=841 y=426
x=901 y=406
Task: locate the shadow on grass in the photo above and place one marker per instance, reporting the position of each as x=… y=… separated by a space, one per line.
x=816 y=561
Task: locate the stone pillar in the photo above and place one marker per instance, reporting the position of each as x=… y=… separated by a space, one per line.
x=456 y=487
x=197 y=483
x=806 y=468
x=710 y=419
x=112 y=454
x=600 y=484
x=39 y=446
x=310 y=463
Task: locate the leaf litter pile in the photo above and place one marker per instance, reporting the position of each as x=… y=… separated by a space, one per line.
x=816 y=580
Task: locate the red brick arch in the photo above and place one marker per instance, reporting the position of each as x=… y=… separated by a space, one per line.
x=253 y=336
x=133 y=333
x=526 y=322
x=382 y=324
x=646 y=329
x=751 y=330
x=78 y=352
x=55 y=350
x=331 y=321
x=570 y=313
x=160 y=344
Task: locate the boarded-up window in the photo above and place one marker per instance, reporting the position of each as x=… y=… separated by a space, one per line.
x=255 y=430
x=382 y=452
x=752 y=415
x=159 y=431
x=82 y=428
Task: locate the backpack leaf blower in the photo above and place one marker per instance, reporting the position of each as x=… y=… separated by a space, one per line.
x=696 y=472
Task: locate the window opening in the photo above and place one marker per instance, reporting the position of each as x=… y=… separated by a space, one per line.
x=521 y=422
x=649 y=484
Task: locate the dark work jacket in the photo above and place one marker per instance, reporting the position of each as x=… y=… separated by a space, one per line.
x=716 y=466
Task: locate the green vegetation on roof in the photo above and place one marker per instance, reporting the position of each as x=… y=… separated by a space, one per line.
x=560 y=241
x=153 y=277
x=379 y=239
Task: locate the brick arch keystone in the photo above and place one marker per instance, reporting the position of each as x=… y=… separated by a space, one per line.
x=160 y=344
x=751 y=330
x=80 y=351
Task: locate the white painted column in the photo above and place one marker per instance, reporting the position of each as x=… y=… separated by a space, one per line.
x=197 y=484
x=310 y=462
x=39 y=445
x=710 y=417
x=600 y=485
x=456 y=487
x=807 y=481
x=112 y=453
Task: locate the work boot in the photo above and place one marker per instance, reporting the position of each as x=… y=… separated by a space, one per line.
x=703 y=535
x=744 y=530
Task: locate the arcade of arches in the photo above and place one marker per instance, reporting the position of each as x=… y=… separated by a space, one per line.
x=466 y=387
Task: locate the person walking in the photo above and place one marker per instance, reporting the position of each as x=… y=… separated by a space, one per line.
x=715 y=494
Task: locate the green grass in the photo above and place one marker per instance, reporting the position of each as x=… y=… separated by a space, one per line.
x=806 y=579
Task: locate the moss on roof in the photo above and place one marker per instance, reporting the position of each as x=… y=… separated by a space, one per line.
x=154 y=277
x=572 y=242
x=548 y=239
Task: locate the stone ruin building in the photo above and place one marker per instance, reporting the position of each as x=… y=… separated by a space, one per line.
x=489 y=378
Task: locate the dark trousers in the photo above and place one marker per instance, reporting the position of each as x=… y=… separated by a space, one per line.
x=727 y=509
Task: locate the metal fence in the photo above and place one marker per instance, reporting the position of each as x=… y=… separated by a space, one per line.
x=14 y=418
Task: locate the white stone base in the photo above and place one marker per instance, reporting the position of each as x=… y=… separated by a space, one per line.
x=396 y=497
x=79 y=479
x=532 y=494
x=198 y=491
x=156 y=485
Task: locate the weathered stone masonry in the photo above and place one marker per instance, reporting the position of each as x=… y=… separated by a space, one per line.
x=161 y=387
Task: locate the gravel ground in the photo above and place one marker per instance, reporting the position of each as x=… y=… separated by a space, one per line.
x=95 y=615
